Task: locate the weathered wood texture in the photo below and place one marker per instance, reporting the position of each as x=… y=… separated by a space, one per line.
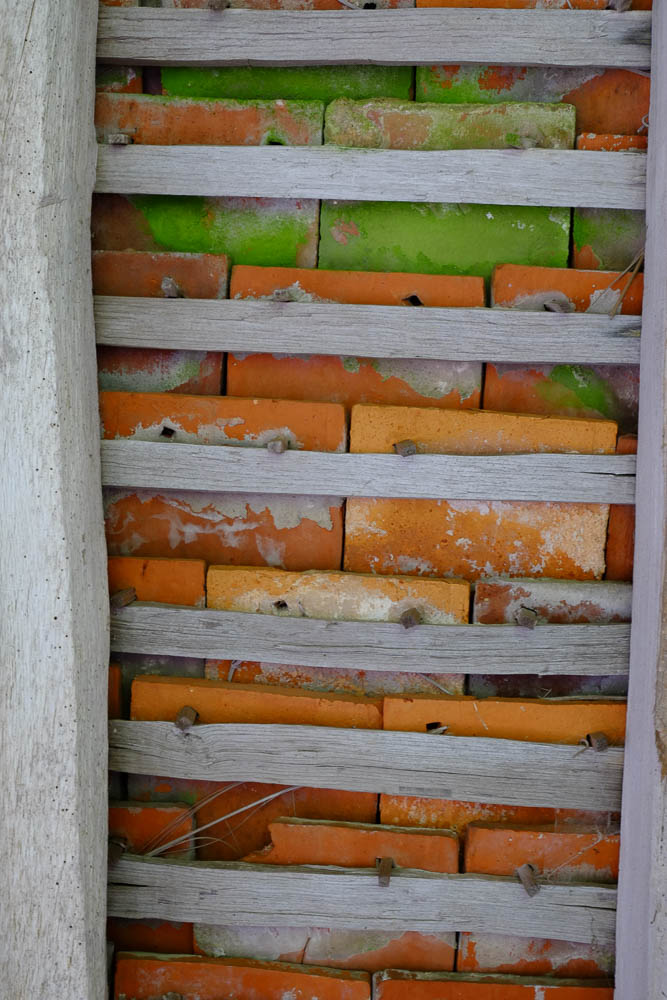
x=474 y=176
x=435 y=649
x=366 y=760
x=53 y=619
x=568 y=478
x=397 y=37
x=642 y=919
x=374 y=331
x=243 y=895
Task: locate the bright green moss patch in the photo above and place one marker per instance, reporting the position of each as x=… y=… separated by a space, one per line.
x=607 y=238
x=440 y=239
x=475 y=83
x=279 y=232
x=302 y=83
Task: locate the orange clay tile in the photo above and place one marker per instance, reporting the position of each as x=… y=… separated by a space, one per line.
x=357 y=845
x=159 y=121
x=160 y=936
x=151 y=369
x=119 y=79
x=607 y=143
x=372 y=950
x=612 y=101
x=558 y=602
x=145 y=977
x=621 y=527
x=351 y=380
x=287 y=4
x=144 y=826
x=115 y=688
x=517 y=4
x=394 y=985
x=247 y=828
x=166 y=581
x=533 y=956
x=335 y=596
x=222 y=420
x=156 y=698
x=373 y=683
x=535 y=720
x=518 y=286
x=143 y=274
x=294 y=532
x=576 y=856
x=472 y=539
x=375 y=429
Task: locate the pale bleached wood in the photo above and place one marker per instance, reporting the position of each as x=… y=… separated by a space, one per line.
x=474 y=176
x=395 y=38
x=641 y=963
x=365 y=760
x=371 y=331
x=166 y=630
x=54 y=604
x=567 y=478
x=313 y=896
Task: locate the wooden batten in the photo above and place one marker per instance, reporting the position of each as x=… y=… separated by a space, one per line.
x=384 y=331
x=245 y=895
x=381 y=37
x=548 y=650
x=473 y=176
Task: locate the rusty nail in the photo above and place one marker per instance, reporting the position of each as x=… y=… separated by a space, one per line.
x=597 y=741
x=116 y=849
x=119 y=139
x=186 y=718
x=384 y=867
x=277 y=445
x=436 y=728
x=122 y=598
x=526 y=617
x=526 y=876
x=171 y=289
x=404 y=448
x=410 y=617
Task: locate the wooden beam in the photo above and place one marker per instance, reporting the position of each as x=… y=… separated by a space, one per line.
x=365 y=760
x=553 y=477
x=54 y=605
x=506 y=335
x=387 y=38
x=548 y=650
x=247 y=895
x=474 y=176
x=641 y=964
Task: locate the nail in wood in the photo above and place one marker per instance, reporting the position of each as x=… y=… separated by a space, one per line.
x=121 y=598
x=384 y=867
x=526 y=875
x=186 y=718
x=404 y=448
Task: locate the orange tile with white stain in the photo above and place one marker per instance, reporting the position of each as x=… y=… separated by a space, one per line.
x=143 y=274
x=218 y=420
x=518 y=4
x=160 y=698
x=165 y=581
x=502 y=953
x=293 y=532
x=535 y=720
x=143 y=977
x=375 y=429
x=335 y=596
x=357 y=845
x=395 y=985
x=611 y=143
x=518 y=286
x=559 y=856
x=350 y=380
x=621 y=526
x=146 y=826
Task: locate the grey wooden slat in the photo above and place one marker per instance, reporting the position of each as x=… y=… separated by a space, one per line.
x=435 y=649
x=365 y=760
x=399 y=37
x=452 y=334
x=548 y=477
x=248 y=895
x=479 y=176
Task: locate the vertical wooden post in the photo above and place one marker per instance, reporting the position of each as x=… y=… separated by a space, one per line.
x=641 y=943
x=54 y=605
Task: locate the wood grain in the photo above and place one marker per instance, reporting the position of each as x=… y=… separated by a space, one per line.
x=387 y=38
x=473 y=176
x=54 y=602
x=161 y=629
x=554 y=477
x=248 y=895
x=375 y=331
x=364 y=760
x=641 y=963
